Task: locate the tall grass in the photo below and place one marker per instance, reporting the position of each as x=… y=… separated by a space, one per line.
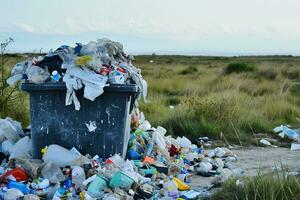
x=262 y=187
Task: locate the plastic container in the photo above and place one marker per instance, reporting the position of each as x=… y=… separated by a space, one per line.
x=97 y=185
x=54 y=123
x=121 y=180
x=18 y=173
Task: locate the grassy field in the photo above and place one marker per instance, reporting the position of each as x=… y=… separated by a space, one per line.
x=220 y=97
x=210 y=101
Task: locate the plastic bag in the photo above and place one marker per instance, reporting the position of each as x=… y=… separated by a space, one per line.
x=78 y=176
x=219 y=152
x=72 y=84
x=11 y=129
x=22 y=149
x=14 y=79
x=204 y=167
x=53 y=173
x=13 y=194
x=145 y=125
x=6 y=147
x=63 y=157
x=117 y=160
x=184 y=142
x=158 y=137
x=94 y=83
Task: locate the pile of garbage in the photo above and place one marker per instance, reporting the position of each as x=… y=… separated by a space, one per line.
x=92 y=67
x=158 y=166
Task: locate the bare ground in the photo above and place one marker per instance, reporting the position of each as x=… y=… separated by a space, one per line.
x=256 y=160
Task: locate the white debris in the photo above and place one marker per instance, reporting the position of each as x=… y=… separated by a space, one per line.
x=91 y=126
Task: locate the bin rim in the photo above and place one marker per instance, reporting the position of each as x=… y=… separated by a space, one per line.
x=28 y=86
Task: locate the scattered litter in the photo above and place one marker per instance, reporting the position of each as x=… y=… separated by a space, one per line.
x=265 y=142
x=286 y=131
x=295 y=146
x=159 y=167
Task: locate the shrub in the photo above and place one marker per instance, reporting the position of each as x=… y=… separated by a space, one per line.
x=189 y=70
x=12 y=102
x=292 y=73
x=268 y=73
x=239 y=68
x=295 y=89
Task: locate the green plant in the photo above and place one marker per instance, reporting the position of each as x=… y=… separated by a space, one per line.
x=278 y=186
x=295 y=89
x=239 y=68
x=189 y=70
x=12 y=102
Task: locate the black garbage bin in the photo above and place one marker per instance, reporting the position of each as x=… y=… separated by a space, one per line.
x=52 y=122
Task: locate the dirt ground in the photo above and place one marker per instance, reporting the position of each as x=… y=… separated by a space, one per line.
x=256 y=160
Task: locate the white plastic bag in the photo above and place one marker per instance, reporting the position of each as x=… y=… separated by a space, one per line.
x=10 y=129
x=219 y=152
x=184 y=142
x=22 y=149
x=53 y=173
x=145 y=125
x=158 y=137
x=37 y=74
x=117 y=160
x=61 y=156
x=204 y=167
x=6 y=147
x=14 y=79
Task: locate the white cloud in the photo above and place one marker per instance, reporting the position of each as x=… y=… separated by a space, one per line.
x=25 y=27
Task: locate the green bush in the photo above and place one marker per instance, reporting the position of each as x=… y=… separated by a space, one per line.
x=189 y=70
x=295 y=89
x=239 y=68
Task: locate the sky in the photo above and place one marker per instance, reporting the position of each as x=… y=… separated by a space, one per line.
x=197 y=27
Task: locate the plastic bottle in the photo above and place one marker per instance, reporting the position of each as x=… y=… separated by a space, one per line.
x=149 y=148
x=59 y=193
x=20 y=186
x=55 y=76
x=172 y=190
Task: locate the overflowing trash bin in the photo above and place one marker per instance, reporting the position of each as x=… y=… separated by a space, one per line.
x=101 y=127
x=102 y=83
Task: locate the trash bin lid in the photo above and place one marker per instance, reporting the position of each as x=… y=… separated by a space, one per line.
x=26 y=86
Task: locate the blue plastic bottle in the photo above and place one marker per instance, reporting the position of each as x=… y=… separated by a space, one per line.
x=20 y=186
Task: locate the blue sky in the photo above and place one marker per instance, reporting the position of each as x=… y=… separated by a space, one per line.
x=207 y=27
